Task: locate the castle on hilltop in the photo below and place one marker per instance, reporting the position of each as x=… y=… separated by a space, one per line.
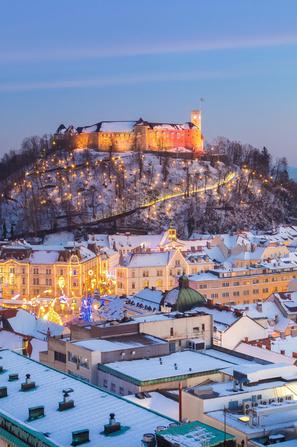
x=140 y=135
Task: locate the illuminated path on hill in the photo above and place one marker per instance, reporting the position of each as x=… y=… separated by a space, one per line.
x=230 y=177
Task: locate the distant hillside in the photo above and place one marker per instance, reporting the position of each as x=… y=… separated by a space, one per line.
x=233 y=187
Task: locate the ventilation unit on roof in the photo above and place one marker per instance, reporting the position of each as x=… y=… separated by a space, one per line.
x=28 y=384
x=112 y=425
x=3 y=391
x=149 y=440
x=80 y=437
x=13 y=377
x=36 y=413
x=1 y=369
x=66 y=404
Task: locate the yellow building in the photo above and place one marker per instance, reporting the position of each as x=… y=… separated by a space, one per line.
x=243 y=285
x=29 y=271
x=155 y=269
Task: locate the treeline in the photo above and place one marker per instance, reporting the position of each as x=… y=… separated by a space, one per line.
x=258 y=160
x=31 y=149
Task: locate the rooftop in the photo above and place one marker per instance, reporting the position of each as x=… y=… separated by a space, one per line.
x=116 y=344
x=184 y=363
x=91 y=411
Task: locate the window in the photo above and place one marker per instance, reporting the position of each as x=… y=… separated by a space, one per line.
x=246 y=292
x=35 y=271
x=60 y=357
x=133 y=273
x=35 y=281
x=255 y=281
x=146 y=283
x=214 y=295
x=265 y=290
x=133 y=285
x=203 y=286
x=145 y=274
x=48 y=281
x=225 y=284
x=236 y=283
x=23 y=280
x=203 y=327
x=225 y=294
x=159 y=283
x=159 y=273
x=121 y=390
x=236 y=294
x=48 y=271
x=113 y=387
x=177 y=263
x=171 y=332
x=11 y=270
x=105 y=383
x=255 y=291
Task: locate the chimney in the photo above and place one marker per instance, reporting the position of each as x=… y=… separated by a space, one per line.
x=283 y=352
x=259 y=306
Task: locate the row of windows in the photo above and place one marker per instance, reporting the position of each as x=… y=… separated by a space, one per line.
x=255 y=281
x=245 y=293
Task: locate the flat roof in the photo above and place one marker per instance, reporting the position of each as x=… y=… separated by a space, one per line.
x=278 y=420
x=184 y=363
x=116 y=344
x=91 y=411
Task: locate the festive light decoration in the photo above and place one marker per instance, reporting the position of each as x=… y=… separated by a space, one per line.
x=53 y=316
x=86 y=308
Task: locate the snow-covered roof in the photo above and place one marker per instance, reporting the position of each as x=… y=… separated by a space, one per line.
x=44 y=257
x=172 y=365
x=287 y=344
x=265 y=354
x=58 y=238
x=148 y=260
x=149 y=296
x=117 y=126
x=267 y=310
x=159 y=403
x=91 y=411
x=102 y=345
x=27 y=324
x=258 y=373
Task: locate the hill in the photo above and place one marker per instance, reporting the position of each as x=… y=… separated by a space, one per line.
x=232 y=187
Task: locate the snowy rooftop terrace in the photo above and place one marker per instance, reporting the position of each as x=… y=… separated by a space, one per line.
x=184 y=363
x=91 y=411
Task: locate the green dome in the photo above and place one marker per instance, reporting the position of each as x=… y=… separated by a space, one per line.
x=183 y=297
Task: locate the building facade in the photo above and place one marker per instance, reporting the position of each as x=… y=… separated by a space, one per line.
x=31 y=271
x=140 y=135
x=243 y=285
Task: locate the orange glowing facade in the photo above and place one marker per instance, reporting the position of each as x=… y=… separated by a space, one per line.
x=140 y=135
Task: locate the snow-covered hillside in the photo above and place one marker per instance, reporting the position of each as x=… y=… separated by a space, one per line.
x=72 y=189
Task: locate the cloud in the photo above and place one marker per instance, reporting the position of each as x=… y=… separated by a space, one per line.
x=148 y=48
x=124 y=80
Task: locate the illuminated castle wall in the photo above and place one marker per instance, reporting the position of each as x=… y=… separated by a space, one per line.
x=138 y=135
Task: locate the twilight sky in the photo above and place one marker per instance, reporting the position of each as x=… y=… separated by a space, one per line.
x=82 y=61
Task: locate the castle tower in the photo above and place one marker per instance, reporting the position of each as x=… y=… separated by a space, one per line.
x=196 y=118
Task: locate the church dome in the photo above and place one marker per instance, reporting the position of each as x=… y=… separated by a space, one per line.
x=183 y=297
